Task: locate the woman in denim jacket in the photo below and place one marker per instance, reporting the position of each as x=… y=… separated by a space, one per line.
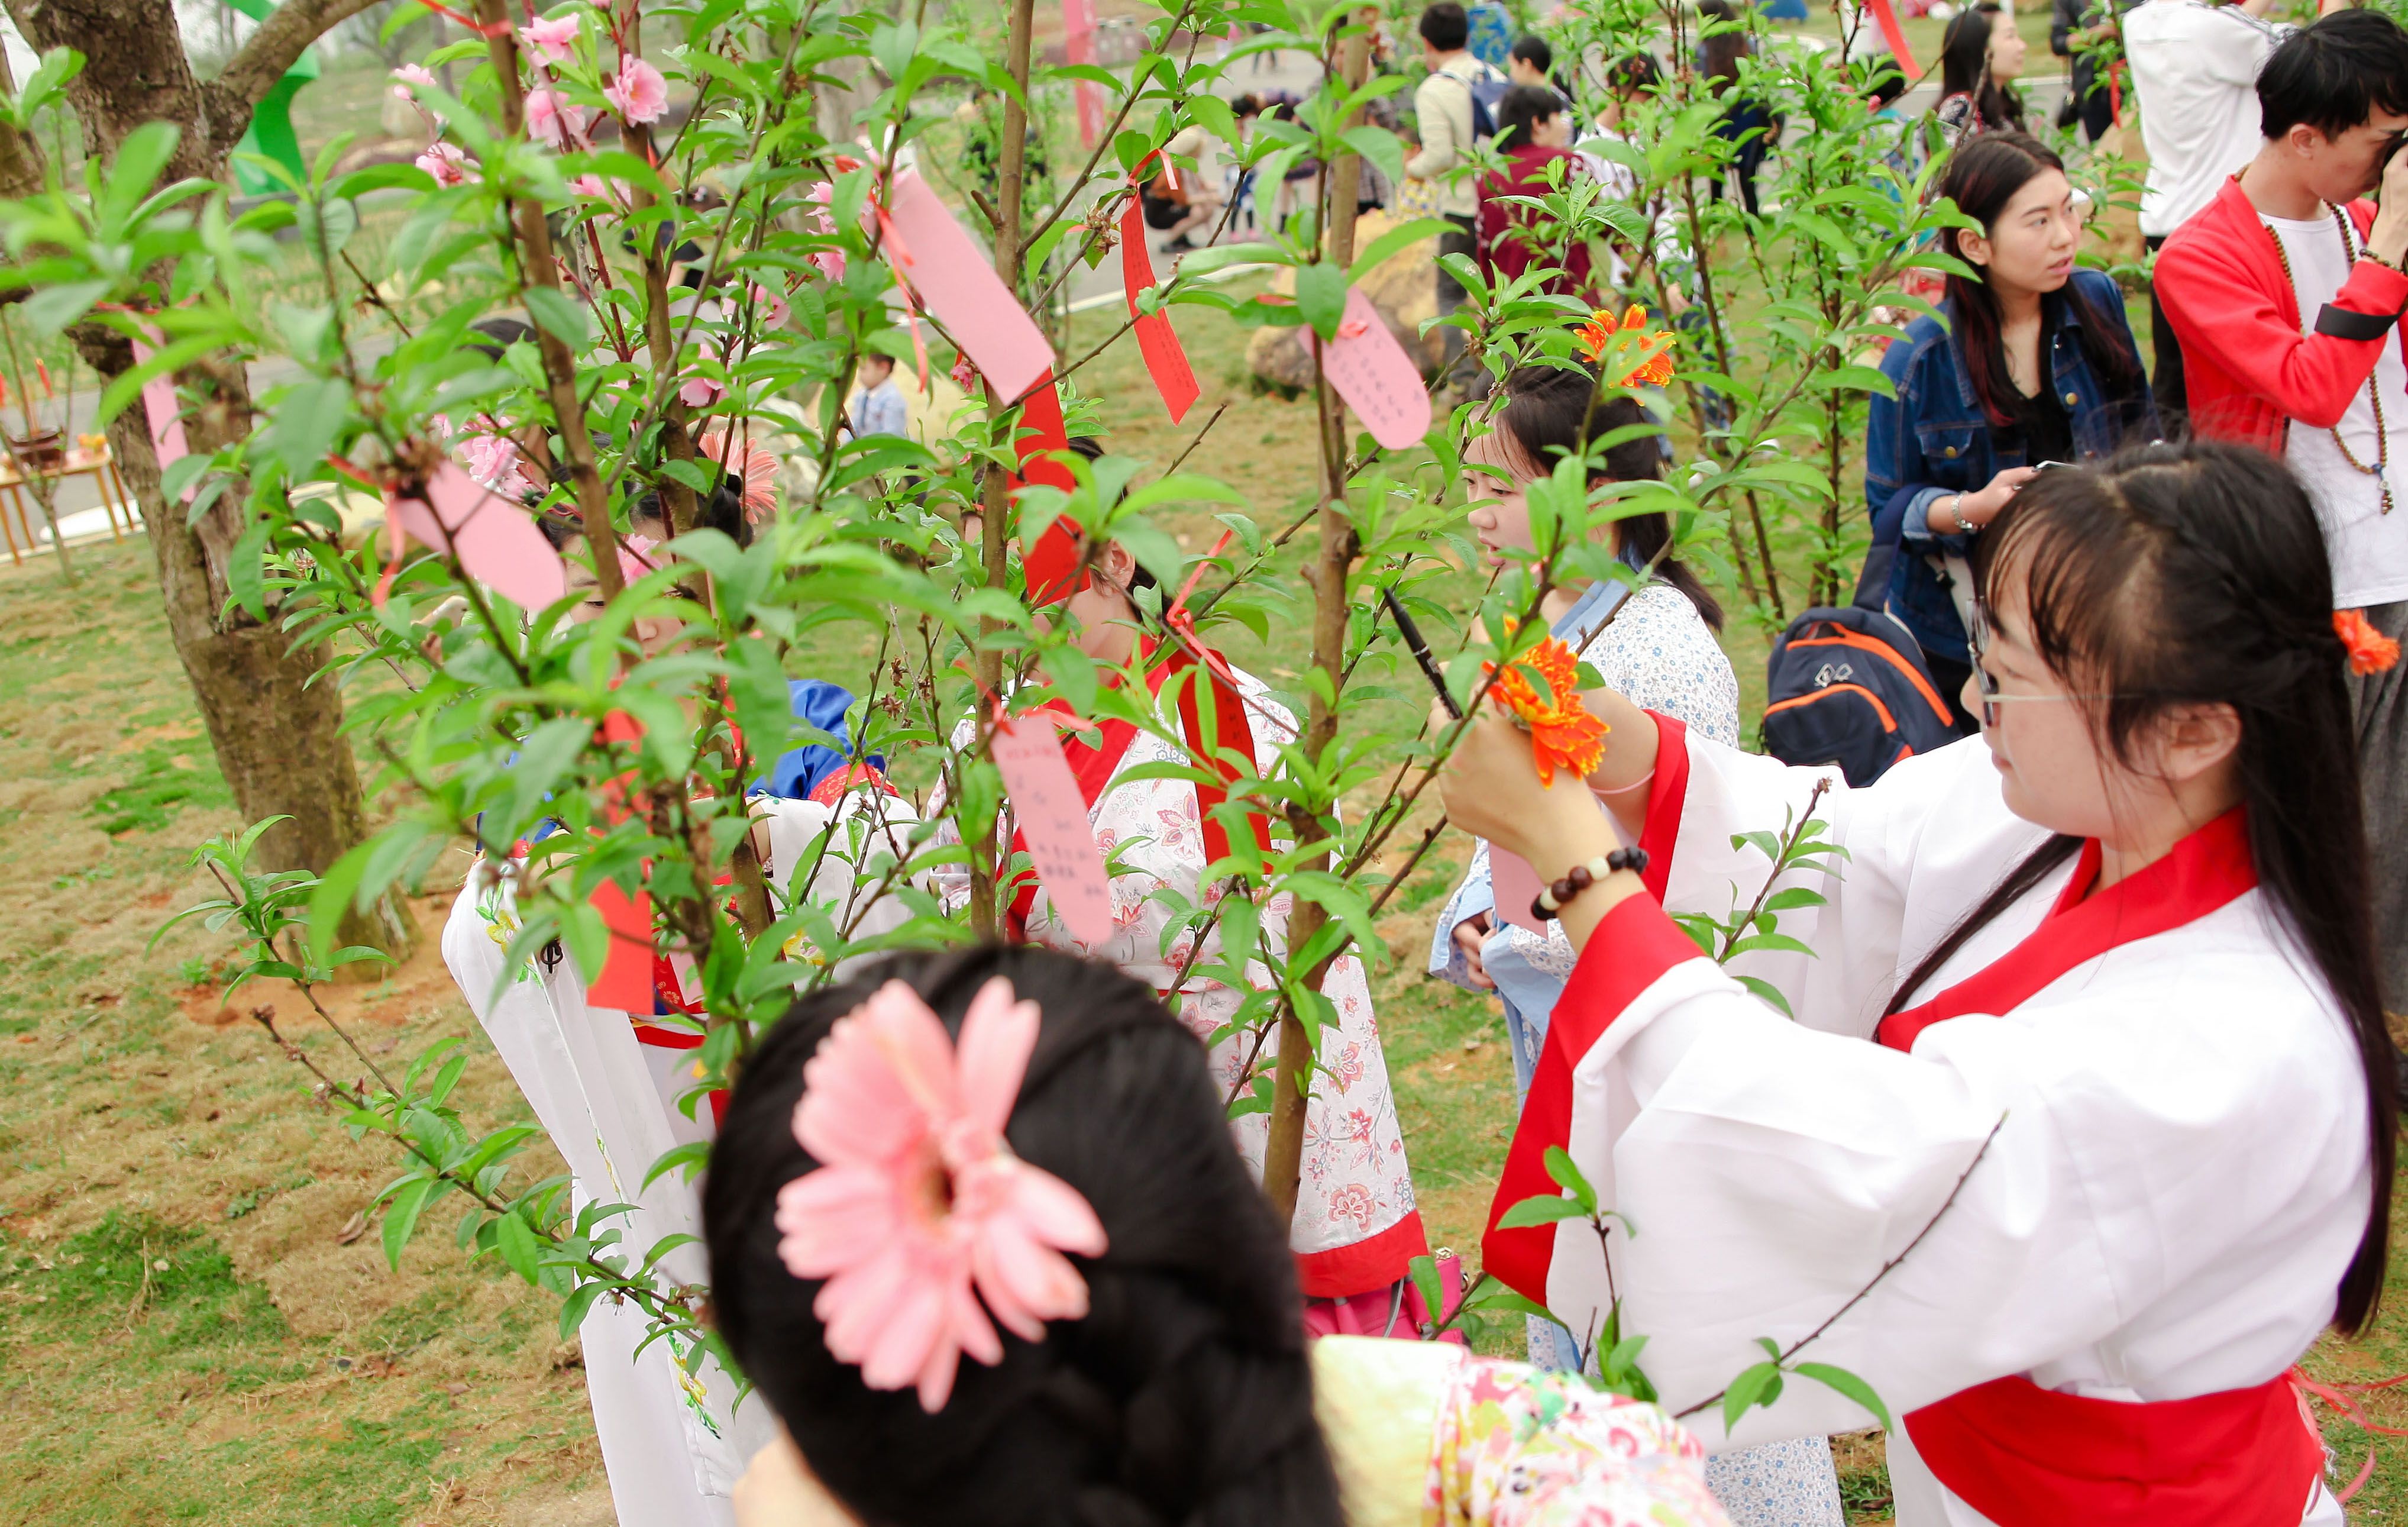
x=2035 y=363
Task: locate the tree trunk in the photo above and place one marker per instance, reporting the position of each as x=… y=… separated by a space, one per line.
x=274 y=720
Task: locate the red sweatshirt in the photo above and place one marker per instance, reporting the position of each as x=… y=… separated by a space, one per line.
x=1507 y=243
x=2247 y=369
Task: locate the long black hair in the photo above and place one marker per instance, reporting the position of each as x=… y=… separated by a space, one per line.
x=2194 y=574
x=1965 y=67
x=1549 y=411
x=1983 y=176
x=1182 y=1397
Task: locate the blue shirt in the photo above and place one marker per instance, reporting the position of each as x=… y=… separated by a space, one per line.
x=1933 y=439
x=881 y=411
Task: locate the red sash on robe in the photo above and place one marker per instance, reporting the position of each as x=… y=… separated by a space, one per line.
x=2020 y=1454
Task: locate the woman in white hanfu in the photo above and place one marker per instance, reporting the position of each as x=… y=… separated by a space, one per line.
x=1358 y=1227
x=2120 y=1146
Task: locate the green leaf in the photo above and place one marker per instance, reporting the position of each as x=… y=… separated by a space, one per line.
x=1770 y=993
x=1395 y=241
x=1561 y=1167
x=1848 y=1384
x=519 y=1246
x=1746 y=1389
x=563 y=319
x=573 y=1308
x=305 y=423
x=1321 y=298
x=1381 y=148
x=1541 y=1210
x=1425 y=1279
x=401 y=1218
x=140 y=157
x=54 y=307
x=1794 y=897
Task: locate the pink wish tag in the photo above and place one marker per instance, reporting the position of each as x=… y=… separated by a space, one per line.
x=1514 y=885
x=159 y=408
x=1375 y=375
x=958 y=285
x=494 y=540
x=1054 y=826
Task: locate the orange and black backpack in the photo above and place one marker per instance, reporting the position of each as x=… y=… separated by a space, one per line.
x=1846 y=686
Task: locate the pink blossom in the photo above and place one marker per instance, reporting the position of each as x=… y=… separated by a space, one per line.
x=640 y=92
x=449 y=163
x=830 y=261
x=410 y=77
x=554 y=40
x=918 y=1200
x=613 y=191
x=489 y=458
x=774 y=311
x=700 y=392
x=551 y=120
x=965 y=374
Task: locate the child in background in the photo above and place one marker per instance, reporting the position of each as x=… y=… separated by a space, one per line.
x=878 y=407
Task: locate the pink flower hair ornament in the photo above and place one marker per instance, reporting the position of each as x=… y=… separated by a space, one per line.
x=919 y=1199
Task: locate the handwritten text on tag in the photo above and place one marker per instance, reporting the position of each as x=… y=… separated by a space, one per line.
x=1375 y=375
x=1053 y=820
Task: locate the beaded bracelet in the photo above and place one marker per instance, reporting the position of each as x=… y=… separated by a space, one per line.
x=1551 y=899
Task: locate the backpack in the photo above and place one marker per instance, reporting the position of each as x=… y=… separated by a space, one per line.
x=1846 y=686
x=1486 y=88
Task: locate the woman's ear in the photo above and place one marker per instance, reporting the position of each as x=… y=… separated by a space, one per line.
x=2191 y=739
x=1117 y=563
x=1973 y=248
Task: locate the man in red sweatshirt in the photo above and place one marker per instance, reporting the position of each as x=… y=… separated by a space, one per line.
x=2286 y=293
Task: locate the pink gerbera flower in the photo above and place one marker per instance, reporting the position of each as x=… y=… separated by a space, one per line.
x=554 y=40
x=640 y=92
x=756 y=466
x=919 y=1210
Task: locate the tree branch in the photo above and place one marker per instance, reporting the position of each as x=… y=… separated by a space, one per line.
x=257 y=65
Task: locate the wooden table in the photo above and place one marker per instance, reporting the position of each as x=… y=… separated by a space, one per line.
x=95 y=464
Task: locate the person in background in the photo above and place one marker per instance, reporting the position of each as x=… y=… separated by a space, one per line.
x=2285 y=291
x=1630 y=81
x=1532 y=129
x=1655 y=642
x=1163 y=1377
x=1980 y=56
x=878 y=407
x=1444 y=115
x=1748 y=124
x=2195 y=70
x=2033 y=364
x=2084 y=33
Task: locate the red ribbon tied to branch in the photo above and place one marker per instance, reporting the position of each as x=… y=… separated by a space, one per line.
x=1157 y=342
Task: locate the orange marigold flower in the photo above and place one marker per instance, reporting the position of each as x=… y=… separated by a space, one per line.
x=1597 y=336
x=2369 y=650
x=1563 y=733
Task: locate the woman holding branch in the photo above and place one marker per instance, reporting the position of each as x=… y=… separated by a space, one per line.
x=2122 y=1145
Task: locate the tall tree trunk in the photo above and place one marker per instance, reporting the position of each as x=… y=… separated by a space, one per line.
x=274 y=719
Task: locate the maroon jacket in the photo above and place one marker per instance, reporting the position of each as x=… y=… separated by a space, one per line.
x=2247 y=369
x=1506 y=245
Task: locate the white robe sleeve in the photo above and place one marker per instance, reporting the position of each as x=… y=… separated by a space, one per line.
x=2179 y=1180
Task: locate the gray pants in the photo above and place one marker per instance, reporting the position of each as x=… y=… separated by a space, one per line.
x=2380 y=703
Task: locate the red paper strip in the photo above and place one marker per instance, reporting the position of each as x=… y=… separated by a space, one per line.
x=1375 y=375
x=496 y=542
x=625 y=982
x=1052 y=565
x=1166 y=362
x=1079 y=46
x=1886 y=15
x=958 y=286
x=1052 y=821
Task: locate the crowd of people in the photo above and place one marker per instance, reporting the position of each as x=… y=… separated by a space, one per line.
x=2075 y=1127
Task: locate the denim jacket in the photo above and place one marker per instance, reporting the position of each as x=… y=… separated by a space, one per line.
x=1931 y=440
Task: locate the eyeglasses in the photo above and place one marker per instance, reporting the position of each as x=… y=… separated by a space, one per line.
x=1978 y=631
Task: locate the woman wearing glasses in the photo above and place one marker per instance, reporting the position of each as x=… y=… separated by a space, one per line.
x=2122 y=1145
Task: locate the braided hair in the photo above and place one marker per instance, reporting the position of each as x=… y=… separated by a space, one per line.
x=2194 y=574
x=1182 y=1398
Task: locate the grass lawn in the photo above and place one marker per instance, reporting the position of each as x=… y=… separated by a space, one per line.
x=191 y=1325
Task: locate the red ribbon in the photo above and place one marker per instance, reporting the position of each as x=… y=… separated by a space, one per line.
x=1886 y=14
x=1166 y=361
